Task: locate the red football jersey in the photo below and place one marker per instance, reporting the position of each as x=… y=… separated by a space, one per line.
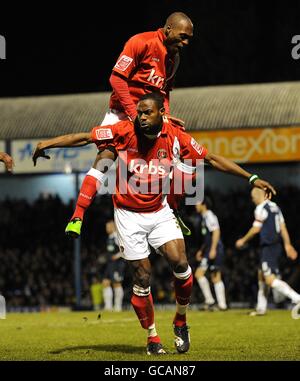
x=144 y=165
x=147 y=67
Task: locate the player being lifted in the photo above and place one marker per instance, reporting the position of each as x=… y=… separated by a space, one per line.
x=270 y=225
x=148 y=63
x=143 y=217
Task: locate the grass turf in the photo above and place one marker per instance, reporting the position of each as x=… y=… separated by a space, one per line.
x=215 y=336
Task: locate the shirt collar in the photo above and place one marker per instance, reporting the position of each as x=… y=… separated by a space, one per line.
x=162 y=37
x=164 y=130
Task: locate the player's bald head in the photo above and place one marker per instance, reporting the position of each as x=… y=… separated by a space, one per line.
x=178 y=30
x=258 y=195
x=178 y=18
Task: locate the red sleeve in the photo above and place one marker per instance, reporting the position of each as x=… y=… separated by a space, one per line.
x=190 y=149
x=121 y=89
x=104 y=136
x=131 y=56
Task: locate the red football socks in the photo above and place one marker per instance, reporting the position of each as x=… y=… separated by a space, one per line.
x=183 y=291
x=87 y=194
x=143 y=306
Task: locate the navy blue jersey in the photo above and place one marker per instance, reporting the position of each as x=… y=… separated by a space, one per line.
x=209 y=224
x=268 y=217
x=112 y=246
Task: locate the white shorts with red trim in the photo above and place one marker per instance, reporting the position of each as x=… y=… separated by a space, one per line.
x=138 y=231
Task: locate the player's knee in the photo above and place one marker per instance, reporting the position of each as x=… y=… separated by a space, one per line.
x=200 y=273
x=106 y=282
x=181 y=266
x=269 y=280
x=216 y=277
x=142 y=279
x=183 y=271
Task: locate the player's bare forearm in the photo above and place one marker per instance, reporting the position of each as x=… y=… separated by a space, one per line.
x=64 y=141
x=251 y=233
x=247 y=237
x=284 y=234
x=229 y=166
x=225 y=165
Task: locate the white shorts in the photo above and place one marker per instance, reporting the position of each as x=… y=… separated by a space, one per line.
x=113 y=117
x=136 y=231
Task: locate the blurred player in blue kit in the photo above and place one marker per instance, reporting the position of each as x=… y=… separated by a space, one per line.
x=273 y=240
x=114 y=272
x=210 y=257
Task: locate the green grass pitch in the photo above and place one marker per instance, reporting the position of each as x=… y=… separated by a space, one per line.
x=221 y=336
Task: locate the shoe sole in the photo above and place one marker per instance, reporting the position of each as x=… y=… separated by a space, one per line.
x=72 y=234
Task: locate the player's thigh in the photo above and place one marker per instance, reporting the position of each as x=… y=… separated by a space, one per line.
x=166 y=236
x=174 y=252
x=216 y=276
x=200 y=272
x=132 y=236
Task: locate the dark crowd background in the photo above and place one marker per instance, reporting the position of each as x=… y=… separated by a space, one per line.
x=36 y=258
x=52 y=48
x=57 y=50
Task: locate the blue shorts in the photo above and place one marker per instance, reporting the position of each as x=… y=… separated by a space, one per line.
x=217 y=263
x=269 y=258
x=115 y=270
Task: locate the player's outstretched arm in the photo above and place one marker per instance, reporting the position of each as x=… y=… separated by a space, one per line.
x=247 y=237
x=71 y=140
x=229 y=166
x=289 y=249
x=7 y=160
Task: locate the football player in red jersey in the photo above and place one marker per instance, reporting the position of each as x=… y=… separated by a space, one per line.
x=145 y=149
x=7 y=160
x=148 y=63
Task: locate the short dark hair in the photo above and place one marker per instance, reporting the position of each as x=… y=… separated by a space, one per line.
x=156 y=97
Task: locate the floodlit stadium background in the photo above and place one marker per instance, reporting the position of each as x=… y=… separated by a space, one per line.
x=237 y=89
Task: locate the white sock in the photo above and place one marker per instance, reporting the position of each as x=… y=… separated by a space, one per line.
x=262 y=301
x=205 y=288
x=108 y=298
x=119 y=293
x=220 y=294
x=286 y=290
x=152 y=331
x=181 y=309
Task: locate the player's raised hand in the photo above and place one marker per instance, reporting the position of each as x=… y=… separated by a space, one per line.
x=39 y=152
x=7 y=160
x=267 y=187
